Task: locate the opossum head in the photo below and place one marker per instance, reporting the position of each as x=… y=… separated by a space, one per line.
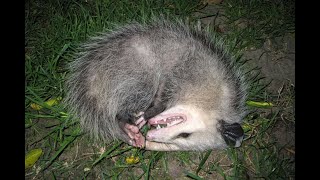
x=185 y=127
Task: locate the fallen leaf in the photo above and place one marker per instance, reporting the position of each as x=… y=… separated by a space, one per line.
x=32 y=157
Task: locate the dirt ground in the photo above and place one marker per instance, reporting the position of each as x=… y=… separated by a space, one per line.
x=277 y=62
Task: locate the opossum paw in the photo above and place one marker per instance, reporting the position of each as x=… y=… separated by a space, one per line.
x=140 y=122
x=131 y=130
x=139 y=140
x=136 y=138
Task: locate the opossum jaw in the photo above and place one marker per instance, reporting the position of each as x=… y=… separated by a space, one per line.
x=178 y=128
x=162 y=128
x=167 y=121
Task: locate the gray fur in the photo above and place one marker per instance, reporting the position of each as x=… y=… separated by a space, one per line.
x=119 y=74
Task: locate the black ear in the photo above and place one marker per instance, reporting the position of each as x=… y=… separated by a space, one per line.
x=231 y=133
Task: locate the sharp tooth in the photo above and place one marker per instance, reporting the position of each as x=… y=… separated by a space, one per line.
x=158 y=127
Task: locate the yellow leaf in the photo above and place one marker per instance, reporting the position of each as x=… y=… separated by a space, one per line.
x=50 y=102
x=132 y=160
x=32 y=157
x=259 y=104
x=35 y=106
x=53 y=101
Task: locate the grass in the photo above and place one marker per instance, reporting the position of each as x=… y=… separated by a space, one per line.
x=54 y=28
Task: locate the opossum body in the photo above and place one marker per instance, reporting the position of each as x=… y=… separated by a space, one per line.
x=171 y=76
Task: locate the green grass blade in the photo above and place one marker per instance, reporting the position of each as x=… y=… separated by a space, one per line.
x=105 y=154
x=64 y=145
x=203 y=161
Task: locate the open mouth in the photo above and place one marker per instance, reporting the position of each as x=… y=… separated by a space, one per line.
x=166 y=121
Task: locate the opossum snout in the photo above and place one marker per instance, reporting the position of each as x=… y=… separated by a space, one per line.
x=232 y=133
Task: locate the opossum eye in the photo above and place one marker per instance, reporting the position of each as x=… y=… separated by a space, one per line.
x=183 y=135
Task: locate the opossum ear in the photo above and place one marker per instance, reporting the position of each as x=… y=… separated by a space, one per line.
x=231 y=133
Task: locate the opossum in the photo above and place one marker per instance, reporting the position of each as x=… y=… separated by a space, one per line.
x=166 y=74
